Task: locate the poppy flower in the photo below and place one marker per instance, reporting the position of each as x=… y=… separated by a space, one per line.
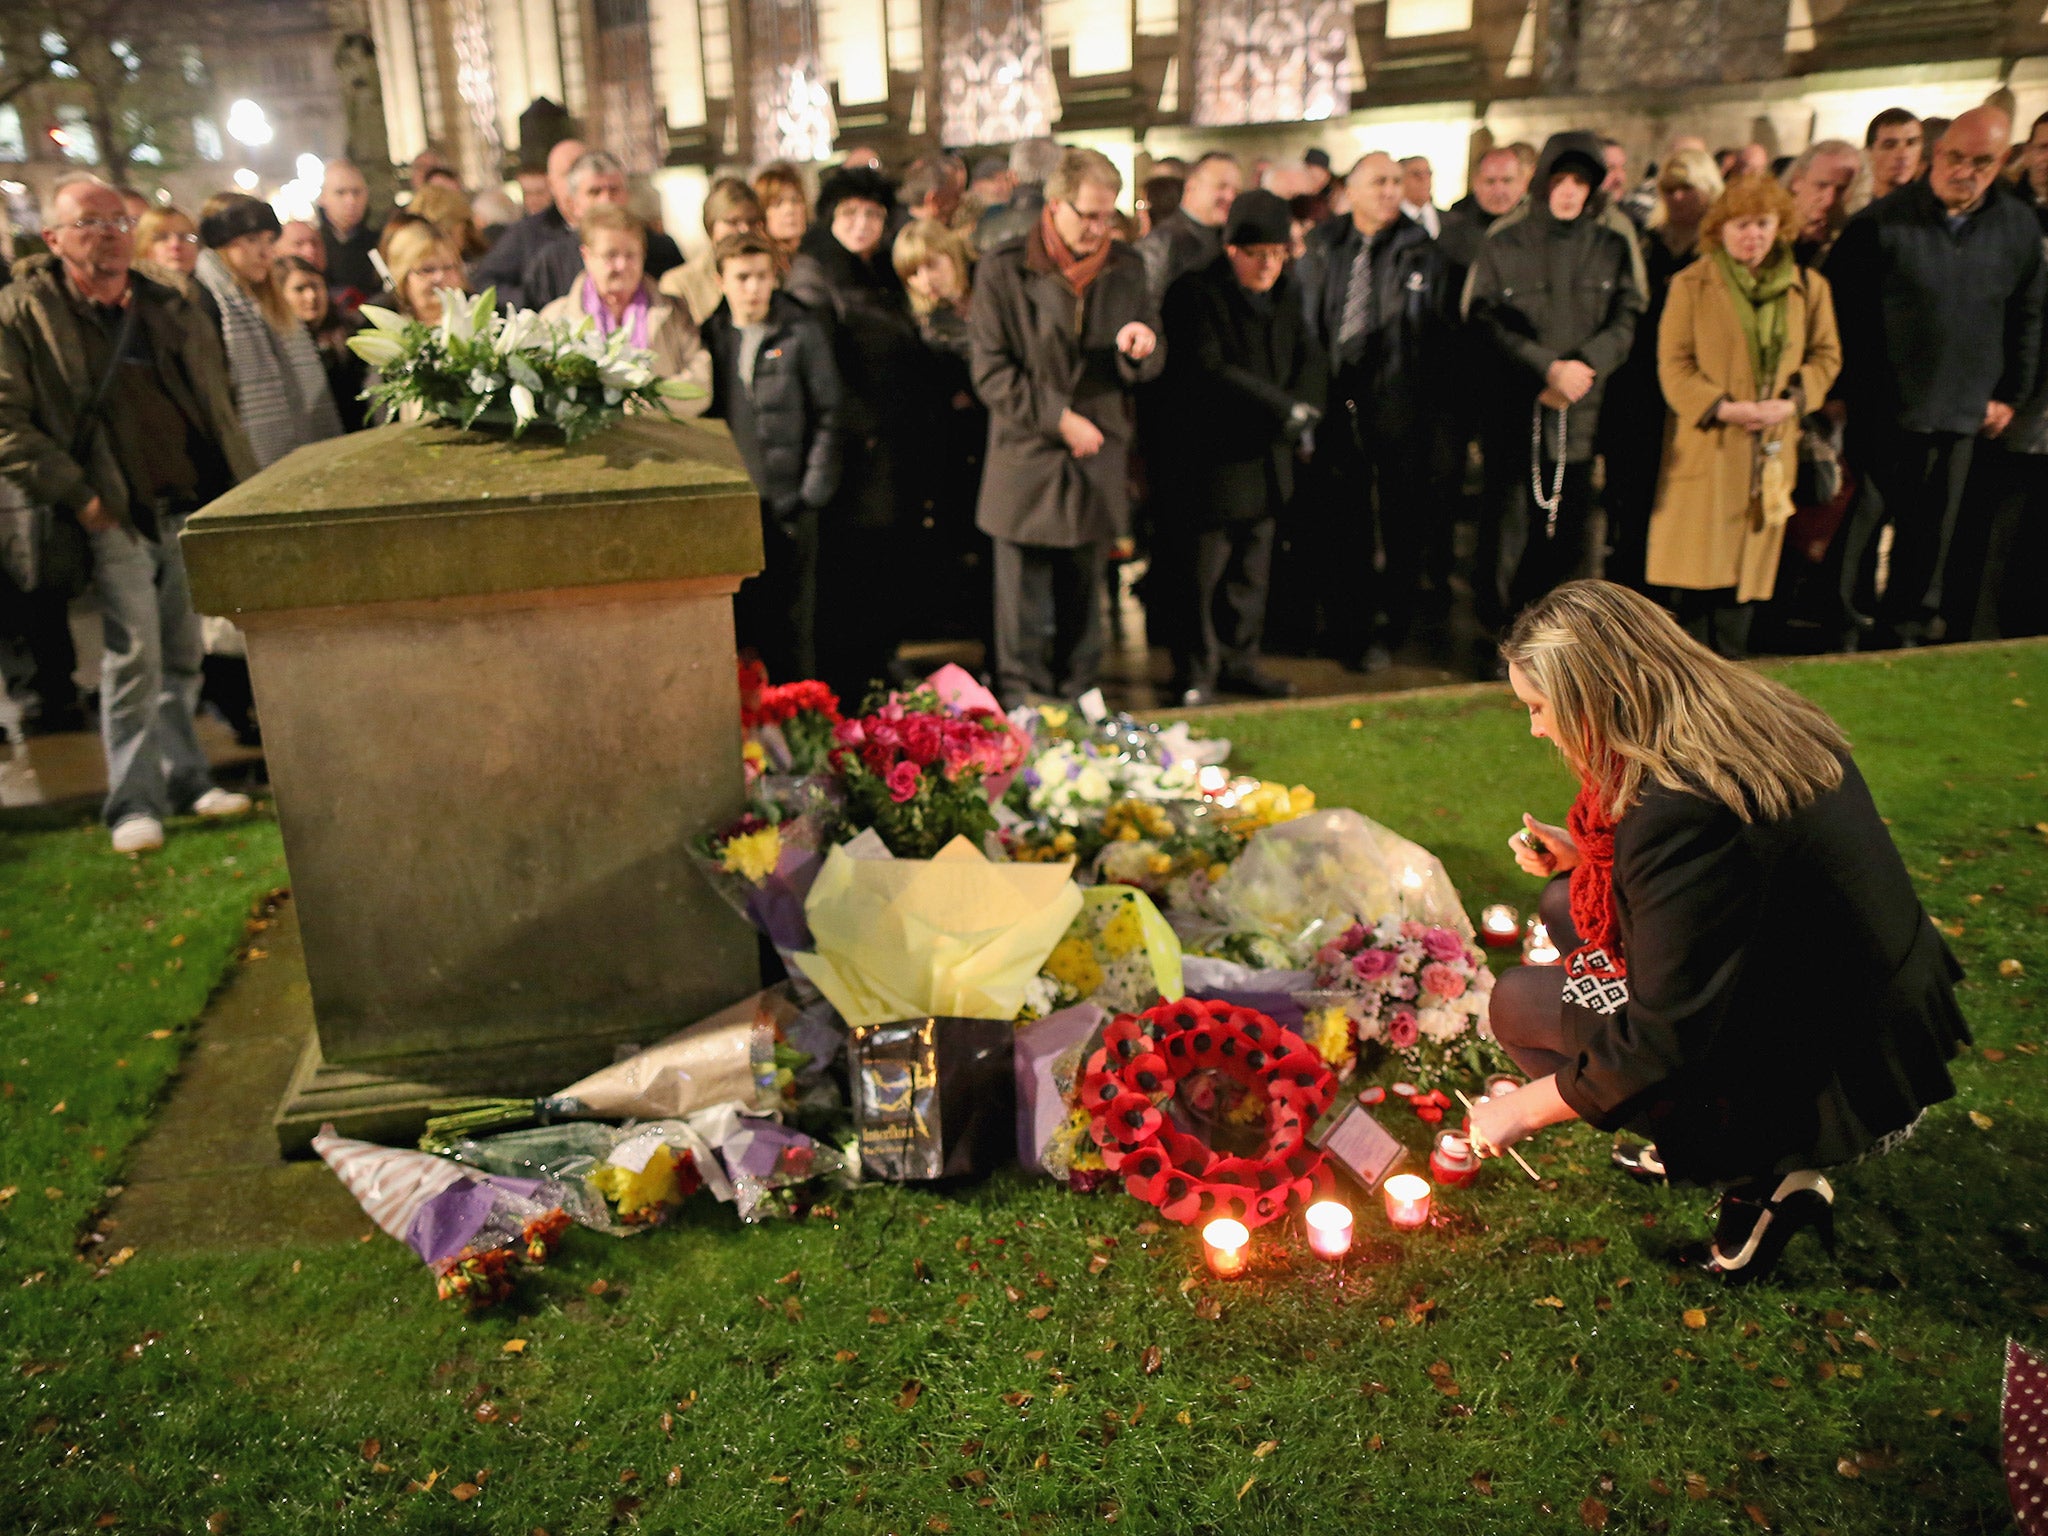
x=1148 y=1073
x=1131 y=1118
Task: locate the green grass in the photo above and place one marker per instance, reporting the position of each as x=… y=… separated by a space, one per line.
x=1439 y=1391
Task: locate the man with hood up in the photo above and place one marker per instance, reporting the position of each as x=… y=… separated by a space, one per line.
x=1554 y=295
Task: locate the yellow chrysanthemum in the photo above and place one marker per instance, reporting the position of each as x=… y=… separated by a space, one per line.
x=1329 y=1032
x=753 y=854
x=1073 y=962
x=654 y=1186
x=1123 y=934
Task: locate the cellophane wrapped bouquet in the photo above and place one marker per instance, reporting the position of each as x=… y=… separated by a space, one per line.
x=1405 y=989
x=918 y=770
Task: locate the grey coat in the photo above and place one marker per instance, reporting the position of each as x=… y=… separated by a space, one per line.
x=1037 y=353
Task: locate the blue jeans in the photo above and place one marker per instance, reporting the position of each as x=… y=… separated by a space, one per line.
x=149 y=675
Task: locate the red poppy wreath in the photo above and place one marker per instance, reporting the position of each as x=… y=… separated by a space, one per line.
x=1144 y=1055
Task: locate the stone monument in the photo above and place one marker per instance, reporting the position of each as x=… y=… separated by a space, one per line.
x=498 y=700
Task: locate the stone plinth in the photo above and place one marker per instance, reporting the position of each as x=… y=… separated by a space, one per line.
x=498 y=699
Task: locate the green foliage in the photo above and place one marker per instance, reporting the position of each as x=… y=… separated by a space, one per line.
x=1526 y=1366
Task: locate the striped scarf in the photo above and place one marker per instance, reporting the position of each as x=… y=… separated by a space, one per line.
x=280 y=384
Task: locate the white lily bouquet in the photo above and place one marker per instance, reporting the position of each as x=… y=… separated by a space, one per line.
x=476 y=367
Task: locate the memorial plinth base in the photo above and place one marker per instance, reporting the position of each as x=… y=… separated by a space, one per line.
x=488 y=796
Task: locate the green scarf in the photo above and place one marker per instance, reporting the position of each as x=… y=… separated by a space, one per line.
x=1760 y=307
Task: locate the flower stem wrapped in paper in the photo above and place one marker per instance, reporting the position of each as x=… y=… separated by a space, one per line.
x=635 y=1176
x=764 y=863
x=915 y=955
x=729 y=1057
x=470 y=1227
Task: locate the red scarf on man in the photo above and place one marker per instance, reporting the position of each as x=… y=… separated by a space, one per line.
x=1593 y=911
x=1079 y=271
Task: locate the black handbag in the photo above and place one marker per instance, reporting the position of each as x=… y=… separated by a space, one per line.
x=45 y=548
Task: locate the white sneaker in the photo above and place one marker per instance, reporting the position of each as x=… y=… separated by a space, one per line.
x=138 y=834
x=220 y=802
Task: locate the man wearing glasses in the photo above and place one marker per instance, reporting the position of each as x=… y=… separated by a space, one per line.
x=1061 y=330
x=115 y=410
x=1938 y=291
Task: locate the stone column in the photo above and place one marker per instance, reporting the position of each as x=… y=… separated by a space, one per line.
x=498 y=699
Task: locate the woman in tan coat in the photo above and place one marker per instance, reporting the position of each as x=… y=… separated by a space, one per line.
x=1748 y=345
x=613 y=292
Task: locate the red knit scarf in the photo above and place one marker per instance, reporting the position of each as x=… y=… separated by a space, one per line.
x=1593 y=912
x=1079 y=271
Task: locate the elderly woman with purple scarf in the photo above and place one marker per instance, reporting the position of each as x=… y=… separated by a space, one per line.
x=614 y=294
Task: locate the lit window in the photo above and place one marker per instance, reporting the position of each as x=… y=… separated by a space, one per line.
x=1426 y=18
x=12 y=145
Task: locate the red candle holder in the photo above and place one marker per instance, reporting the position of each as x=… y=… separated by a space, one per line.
x=1452 y=1160
x=1500 y=925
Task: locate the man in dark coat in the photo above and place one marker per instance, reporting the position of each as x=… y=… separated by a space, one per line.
x=1555 y=293
x=1938 y=288
x=773 y=382
x=1032 y=161
x=557 y=260
x=1498 y=187
x=1243 y=386
x=1382 y=309
x=504 y=264
x=1062 y=329
x=1191 y=236
x=348 y=235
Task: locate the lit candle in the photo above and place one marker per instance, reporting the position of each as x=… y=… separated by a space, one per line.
x=1329 y=1229
x=1537 y=948
x=1452 y=1160
x=1224 y=1243
x=1498 y=926
x=1496 y=1086
x=1407 y=1201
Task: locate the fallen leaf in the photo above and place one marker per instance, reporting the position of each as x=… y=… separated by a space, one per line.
x=1659 y=1487
x=1209 y=1309
x=598 y=1287
x=513 y=1347
x=464 y=1492
x=1183 y=1417
x=1482 y=1484
x=878 y=1314
x=1098 y=1264
x=1696 y=1486
x=1190 y=1283
x=1693 y=1317
x=1550 y=1301
x=674 y=1478
x=1247 y=1488
x=486 y=1412
x=1151 y=1360
x=907 y=1398
x=58 y=1107
x=1241 y=1383
x=791 y=1278
x=1265 y=1449
x=217 y=1522
x=1034 y=1355
x=1757 y=1516
x=1039 y=1314
x=1147 y=1229
x=159 y=1034
x=1016 y=1399
x=1844 y=1467
x=371 y=1448
x=1592 y=1514
x=2011 y=968
x=1982 y=1121
x=845 y=1356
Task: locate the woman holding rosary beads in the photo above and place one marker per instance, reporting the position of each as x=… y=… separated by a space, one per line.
x=1750 y=978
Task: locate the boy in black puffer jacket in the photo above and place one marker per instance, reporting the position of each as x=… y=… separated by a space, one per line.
x=773 y=382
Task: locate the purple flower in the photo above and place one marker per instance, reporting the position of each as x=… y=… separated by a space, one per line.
x=1442 y=944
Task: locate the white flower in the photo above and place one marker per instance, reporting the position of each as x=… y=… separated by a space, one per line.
x=379 y=348
x=1092 y=785
x=384 y=319
x=523 y=409
x=458 y=316
x=522 y=331
x=1440 y=1023
x=482 y=383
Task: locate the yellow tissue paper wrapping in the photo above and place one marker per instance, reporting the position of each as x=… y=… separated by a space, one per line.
x=953 y=936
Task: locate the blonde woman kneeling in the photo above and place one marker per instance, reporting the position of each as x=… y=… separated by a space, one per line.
x=1750 y=977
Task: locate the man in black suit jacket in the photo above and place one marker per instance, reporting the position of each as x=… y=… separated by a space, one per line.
x=1243 y=386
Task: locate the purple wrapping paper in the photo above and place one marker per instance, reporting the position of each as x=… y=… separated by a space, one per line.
x=1280 y=1007
x=776 y=906
x=447 y=1222
x=1040 y=1104
x=766 y=1141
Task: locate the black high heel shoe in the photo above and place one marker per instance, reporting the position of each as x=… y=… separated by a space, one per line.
x=1753 y=1227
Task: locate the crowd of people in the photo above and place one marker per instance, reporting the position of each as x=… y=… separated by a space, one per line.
x=1800 y=403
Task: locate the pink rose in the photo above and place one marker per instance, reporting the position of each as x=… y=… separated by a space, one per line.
x=1374 y=964
x=1329 y=955
x=903 y=781
x=1354 y=937
x=848 y=733
x=1442 y=944
x=1412 y=930
x=1402 y=1030
x=1445 y=982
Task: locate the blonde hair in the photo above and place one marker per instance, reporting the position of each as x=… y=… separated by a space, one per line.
x=1077 y=166
x=730 y=198
x=406 y=250
x=620 y=221
x=1693 y=168
x=448 y=209
x=917 y=243
x=1634 y=700
x=777 y=181
x=157 y=223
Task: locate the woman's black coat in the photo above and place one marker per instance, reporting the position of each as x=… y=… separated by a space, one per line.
x=1790 y=1001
